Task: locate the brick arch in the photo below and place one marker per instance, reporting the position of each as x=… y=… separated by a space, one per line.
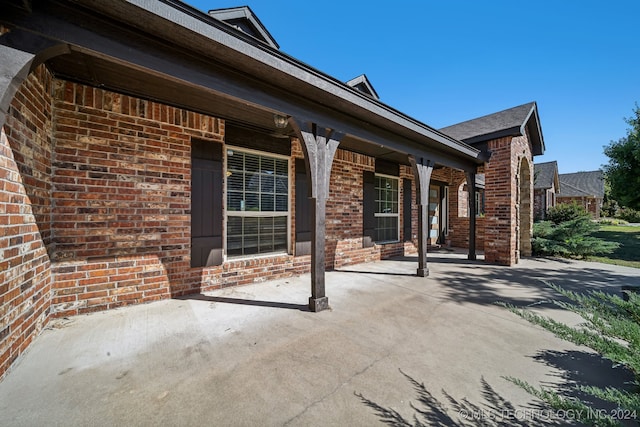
x=525 y=205
x=16 y=66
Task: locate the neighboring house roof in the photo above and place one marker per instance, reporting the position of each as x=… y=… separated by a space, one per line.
x=363 y=84
x=582 y=184
x=243 y=19
x=516 y=121
x=545 y=175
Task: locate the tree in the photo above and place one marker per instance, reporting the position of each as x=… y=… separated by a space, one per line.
x=623 y=170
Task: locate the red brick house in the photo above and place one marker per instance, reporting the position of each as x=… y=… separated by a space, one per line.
x=149 y=150
x=583 y=188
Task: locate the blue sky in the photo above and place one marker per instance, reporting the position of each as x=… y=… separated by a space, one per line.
x=443 y=62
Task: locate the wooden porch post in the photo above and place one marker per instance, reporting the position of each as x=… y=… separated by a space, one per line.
x=422 y=176
x=471 y=186
x=319 y=145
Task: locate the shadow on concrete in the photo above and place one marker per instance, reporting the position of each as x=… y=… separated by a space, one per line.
x=495 y=410
x=382 y=273
x=525 y=285
x=582 y=368
x=240 y=301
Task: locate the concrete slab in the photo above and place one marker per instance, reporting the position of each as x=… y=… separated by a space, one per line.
x=254 y=355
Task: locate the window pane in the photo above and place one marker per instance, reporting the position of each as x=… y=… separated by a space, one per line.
x=282 y=203
x=266 y=203
x=234 y=226
x=280 y=233
x=251 y=163
x=235 y=161
x=282 y=167
x=386 y=229
x=282 y=185
x=234 y=245
x=234 y=201
x=267 y=183
x=266 y=226
x=251 y=202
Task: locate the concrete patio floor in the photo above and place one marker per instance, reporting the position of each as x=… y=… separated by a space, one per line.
x=254 y=355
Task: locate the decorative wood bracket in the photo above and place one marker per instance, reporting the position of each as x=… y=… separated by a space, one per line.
x=319 y=145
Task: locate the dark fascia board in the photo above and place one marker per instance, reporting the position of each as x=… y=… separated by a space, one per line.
x=246 y=13
x=532 y=124
x=514 y=131
x=535 y=130
x=363 y=79
x=183 y=15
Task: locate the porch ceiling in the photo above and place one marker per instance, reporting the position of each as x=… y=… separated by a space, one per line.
x=169 y=52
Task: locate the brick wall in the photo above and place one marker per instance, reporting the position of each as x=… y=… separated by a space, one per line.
x=459 y=213
x=121 y=191
x=25 y=208
x=502 y=218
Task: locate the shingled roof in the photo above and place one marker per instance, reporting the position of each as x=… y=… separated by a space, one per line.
x=545 y=175
x=516 y=121
x=582 y=184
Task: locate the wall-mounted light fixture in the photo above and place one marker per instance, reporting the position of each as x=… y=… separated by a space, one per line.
x=280 y=121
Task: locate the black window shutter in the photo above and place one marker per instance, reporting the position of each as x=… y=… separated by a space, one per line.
x=206 y=204
x=368 y=209
x=303 y=211
x=406 y=207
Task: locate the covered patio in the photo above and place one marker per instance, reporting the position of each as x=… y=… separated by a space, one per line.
x=255 y=355
x=197 y=66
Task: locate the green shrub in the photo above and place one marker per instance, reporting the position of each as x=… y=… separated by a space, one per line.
x=629 y=215
x=569 y=238
x=565 y=212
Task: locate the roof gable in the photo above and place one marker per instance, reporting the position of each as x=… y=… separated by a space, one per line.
x=581 y=184
x=516 y=121
x=363 y=84
x=243 y=19
x=545 y=175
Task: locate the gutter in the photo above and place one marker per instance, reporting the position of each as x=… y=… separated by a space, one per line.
x=192 y=19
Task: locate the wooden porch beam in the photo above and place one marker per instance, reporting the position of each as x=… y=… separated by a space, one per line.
x=422 y=175
x=319 y=145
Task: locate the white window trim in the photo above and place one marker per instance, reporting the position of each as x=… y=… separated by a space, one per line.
x=225 y=257
x=396 y=215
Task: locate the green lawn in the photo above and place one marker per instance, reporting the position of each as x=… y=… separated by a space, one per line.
x=628 y=254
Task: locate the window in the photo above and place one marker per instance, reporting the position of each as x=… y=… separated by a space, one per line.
x=387 y=215
x=257 y=203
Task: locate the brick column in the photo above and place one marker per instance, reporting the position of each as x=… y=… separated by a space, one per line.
x=500 y=204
